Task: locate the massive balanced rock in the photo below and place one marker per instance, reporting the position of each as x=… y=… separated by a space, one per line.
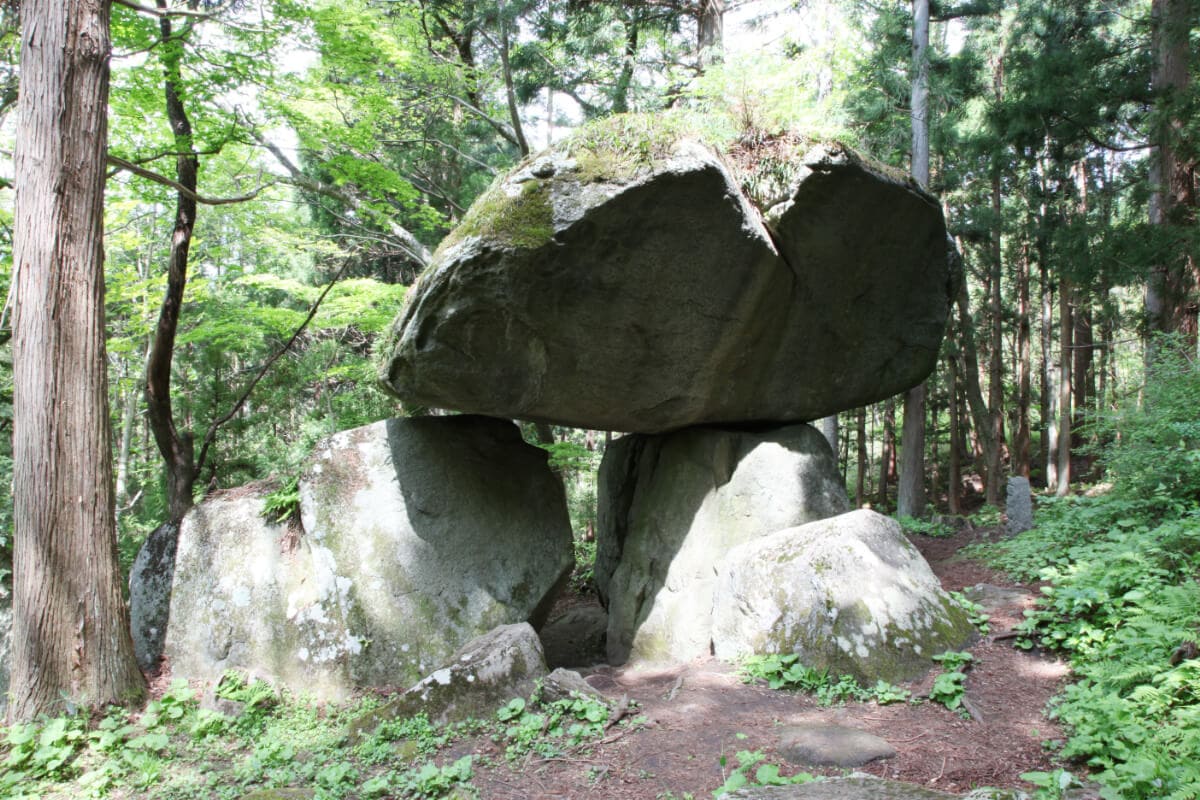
x=623 y=281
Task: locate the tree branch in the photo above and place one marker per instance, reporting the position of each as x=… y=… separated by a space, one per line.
x=211 y=434
x=129 y=166
x=409 y=243
x=160 y=13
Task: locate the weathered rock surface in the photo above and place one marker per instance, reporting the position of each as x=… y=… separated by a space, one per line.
x=150 y=581
x=476 y=680
x=1018 y=506
x=862 y=787
x=673 y=506
x=418 y=535
x=622 y=281
x=849 y=594
x=832 y=746
x=562 y=684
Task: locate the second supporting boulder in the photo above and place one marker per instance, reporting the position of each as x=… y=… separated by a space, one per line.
x=848 y=594
x=673 y=505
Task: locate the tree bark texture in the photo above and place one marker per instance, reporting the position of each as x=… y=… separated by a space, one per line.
x=996 y=353
x=1022 y=444
x=1066 y=328
x=71 y=641
x=860 y=436
x=887 y=460
x=1171 y=302
x=910 y=494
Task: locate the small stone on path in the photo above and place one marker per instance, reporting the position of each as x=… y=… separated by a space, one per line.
x=992 y=597
x=853 y=788
x=832 y=746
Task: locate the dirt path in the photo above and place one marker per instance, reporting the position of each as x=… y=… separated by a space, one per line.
x=700 y=712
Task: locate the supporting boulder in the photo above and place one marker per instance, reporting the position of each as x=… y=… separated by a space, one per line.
x=672 y=506
x=848 y=594
x=622 y=281
x=417 y=535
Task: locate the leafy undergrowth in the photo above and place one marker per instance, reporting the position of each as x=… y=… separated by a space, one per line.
x=176 y=749
x=1122 y=600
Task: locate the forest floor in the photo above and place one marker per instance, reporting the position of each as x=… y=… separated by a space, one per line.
x=702 y=713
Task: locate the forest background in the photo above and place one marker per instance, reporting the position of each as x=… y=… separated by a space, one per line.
x=262 y=152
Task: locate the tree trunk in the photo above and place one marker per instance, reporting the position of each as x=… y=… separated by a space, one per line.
x=829 y=429
x=70 y=636
x=1021 y=446
x=510 y=93
x=981 y=423
x=910 y=496
x=1170 y=296
x=860 y=433
x=954 y=484
x=176 y=447
x=887 y=460
x=996 y=362
x=710 y=32
x=1064 y=389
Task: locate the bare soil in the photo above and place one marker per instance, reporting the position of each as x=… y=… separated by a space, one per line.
x=701 y=712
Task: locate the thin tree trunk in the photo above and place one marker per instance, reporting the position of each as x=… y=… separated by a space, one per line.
x=510 y=93
x=70 y=634
x=954 y=484
x=860 y=432
x=710 y=32
x=996 y=363
x=1022 y=445
x=828 y=426
x=981 y=422
x=910 y=495
x=175 y=446
x=1064 y=389
x=887 y=461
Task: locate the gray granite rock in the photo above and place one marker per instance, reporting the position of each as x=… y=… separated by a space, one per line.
x=627 y=285
x=1018 y=506
x=832 y=746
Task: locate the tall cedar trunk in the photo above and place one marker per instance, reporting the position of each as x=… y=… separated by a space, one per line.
x=1081 y=320
x=176 y=447
x=510 y=92
x=887 y=460
x=860 y=435
x=1170 y=298
x=829 y=429
x=910 y=496
x=1048 y=401
x=1021 y=446
x=70 y=635
x=954 y=482
x=710 y=31
x=995 y=346
x=970 y=376
x=1065 y=330
x=620 y=103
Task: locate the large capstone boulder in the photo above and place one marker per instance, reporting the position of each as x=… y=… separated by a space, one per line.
x=415 y=536
x=623 y=281
x=848 y=594
x=672 y=507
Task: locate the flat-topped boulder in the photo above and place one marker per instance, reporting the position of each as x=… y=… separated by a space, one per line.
x=623 y=281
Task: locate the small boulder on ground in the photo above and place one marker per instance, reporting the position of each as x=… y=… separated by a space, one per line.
x=832 y=746
x=150 y=581
x=863 y=787
x=673 y=506
x=848 y=594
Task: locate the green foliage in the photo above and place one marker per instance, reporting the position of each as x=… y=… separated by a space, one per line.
x=546 y=729
x=949 y=688
x=1050 y=785
x=283 y=503
x=1122 y=602
x=764 y=775
x=924 y=527
x=786 y=672
x=975 y=612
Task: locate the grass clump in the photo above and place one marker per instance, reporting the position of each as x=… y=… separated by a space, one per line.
x=785 y=671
